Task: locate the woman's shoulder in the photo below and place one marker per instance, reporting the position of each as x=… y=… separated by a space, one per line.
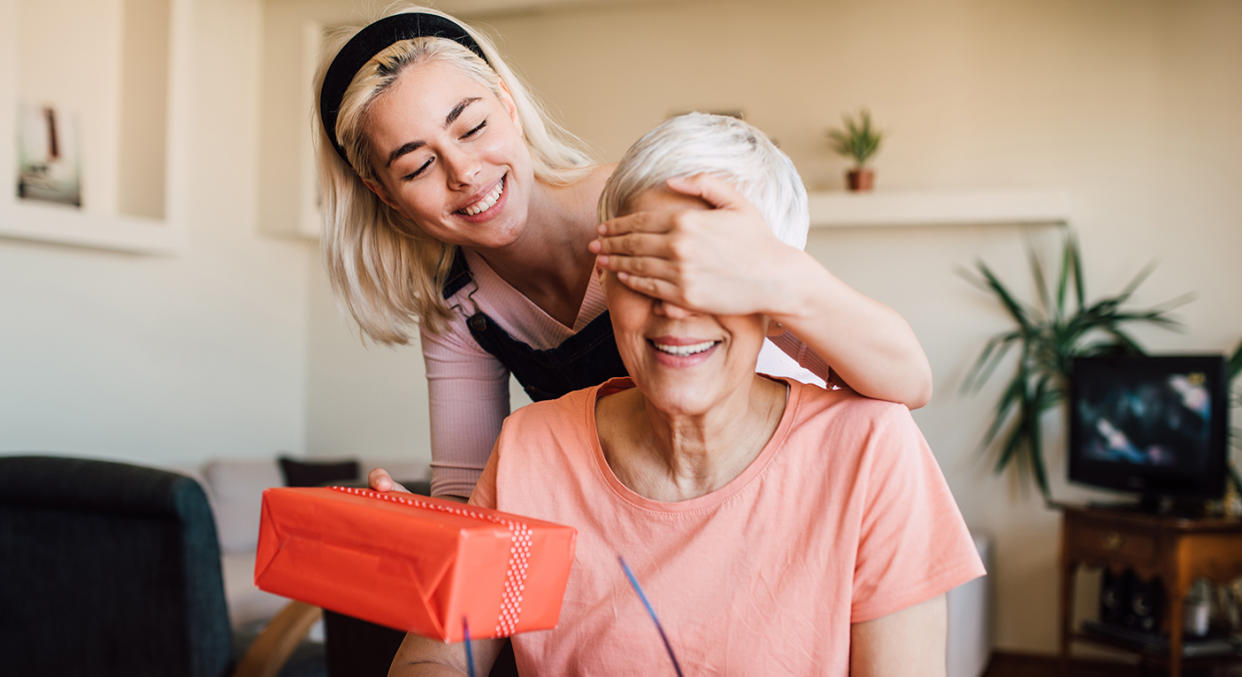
x=844 y=404
x=573 y=411
x=452 y=338
x=549 y=442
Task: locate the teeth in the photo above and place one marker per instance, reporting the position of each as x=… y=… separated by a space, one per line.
x=487 y=201
x=682 y=351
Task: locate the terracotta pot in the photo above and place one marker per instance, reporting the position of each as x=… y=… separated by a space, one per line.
x=859 y=179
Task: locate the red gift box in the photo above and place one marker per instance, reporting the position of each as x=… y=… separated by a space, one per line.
x=412 y=562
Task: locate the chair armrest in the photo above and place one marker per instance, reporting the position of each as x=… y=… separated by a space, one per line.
x=272 y=648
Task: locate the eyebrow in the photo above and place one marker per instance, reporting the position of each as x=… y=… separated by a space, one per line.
x=448 y=120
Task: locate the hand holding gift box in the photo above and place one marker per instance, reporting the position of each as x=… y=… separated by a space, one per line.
x=413 y=563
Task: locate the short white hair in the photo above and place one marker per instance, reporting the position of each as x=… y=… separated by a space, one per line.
x=720 y=145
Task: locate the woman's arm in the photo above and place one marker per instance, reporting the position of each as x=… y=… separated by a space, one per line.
x=868 y=345
x=468 y=397
x=727 y=261
x=907 y=642
x=421 y=657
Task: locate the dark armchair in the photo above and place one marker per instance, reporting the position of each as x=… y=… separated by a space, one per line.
x=114 y=569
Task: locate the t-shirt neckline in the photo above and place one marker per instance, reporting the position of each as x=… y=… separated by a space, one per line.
x=706 y=502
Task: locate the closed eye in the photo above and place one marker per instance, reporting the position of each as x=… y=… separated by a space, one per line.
x=418 y=172
x=414 y=174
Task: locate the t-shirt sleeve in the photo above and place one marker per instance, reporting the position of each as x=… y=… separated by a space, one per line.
x=913 y=543
x=468 y=395
x=484 y=494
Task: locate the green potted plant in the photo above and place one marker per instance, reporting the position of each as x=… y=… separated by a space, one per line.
x=857 y=140
x=1047 y=336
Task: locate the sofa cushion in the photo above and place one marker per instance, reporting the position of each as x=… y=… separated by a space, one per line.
x=236 y=489
x=247 y=604
x=299 y=473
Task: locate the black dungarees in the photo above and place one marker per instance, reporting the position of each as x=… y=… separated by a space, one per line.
x=585 y=359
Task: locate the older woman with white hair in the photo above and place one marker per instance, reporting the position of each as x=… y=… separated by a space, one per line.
x=777 y=528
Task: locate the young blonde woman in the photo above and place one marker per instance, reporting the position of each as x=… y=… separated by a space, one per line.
x=455 y=206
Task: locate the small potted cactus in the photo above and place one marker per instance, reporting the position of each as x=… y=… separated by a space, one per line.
x=859 y=141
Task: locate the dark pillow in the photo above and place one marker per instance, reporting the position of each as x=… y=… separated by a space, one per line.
x=316 y=473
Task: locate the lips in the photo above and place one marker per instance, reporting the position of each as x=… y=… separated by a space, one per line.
x=488 y=200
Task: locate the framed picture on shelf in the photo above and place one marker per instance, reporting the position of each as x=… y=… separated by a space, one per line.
x=48 y=166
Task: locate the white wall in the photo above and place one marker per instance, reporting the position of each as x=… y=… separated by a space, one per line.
x=1130 y=105
x=367 y=401
x=168 y=360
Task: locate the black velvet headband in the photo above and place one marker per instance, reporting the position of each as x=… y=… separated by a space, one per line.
x=372 y=40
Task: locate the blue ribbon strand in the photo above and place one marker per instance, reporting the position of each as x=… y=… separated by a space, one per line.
x=651 y=612
x=465 y=632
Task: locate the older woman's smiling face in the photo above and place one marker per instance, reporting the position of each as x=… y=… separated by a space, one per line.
x=684 y=362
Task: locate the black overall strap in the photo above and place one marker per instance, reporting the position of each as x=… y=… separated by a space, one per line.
x=585 y=359
x=458 y=276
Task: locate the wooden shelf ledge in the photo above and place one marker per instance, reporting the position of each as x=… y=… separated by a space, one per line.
x=938 y=207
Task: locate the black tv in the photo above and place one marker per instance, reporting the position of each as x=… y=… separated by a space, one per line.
x=1155 y=426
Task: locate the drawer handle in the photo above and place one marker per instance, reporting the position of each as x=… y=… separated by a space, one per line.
x=1113 y=541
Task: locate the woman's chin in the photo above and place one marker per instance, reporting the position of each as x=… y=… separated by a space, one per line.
x=683 y=399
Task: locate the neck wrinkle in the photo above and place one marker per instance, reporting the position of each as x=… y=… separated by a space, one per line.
x=696 y=455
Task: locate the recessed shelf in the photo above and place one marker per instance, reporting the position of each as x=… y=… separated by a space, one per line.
x=938 y=207
x=68 y=225
x=103 y=224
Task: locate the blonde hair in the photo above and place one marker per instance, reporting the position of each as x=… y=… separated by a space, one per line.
x=384 y=269
x=700 y=143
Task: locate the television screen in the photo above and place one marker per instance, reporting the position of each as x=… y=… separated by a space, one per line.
x=1154 y=425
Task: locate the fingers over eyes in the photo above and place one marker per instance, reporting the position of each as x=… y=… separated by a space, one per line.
x=635 y=244
x=650 y=286
x=639 y=222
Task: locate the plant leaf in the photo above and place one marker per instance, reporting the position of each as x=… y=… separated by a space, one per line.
x=1015 y=309
x=1130 y=288
x=1127 y=341
x=1037 y=271
x=1016 y=438
x=1067 y=264
x=983 y=368
x=1235 y=362
x=1004 y=407
x=1071 y=250
x=1035 y=447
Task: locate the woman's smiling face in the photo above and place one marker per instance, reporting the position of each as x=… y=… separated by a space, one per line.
x=684 y=362
x=450 y=157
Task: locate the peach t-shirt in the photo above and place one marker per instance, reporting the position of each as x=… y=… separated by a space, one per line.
x=843 y=517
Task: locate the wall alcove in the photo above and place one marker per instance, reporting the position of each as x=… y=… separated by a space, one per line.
x=92 y=106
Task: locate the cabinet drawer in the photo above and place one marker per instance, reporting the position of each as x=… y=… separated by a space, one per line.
x=1100 y=542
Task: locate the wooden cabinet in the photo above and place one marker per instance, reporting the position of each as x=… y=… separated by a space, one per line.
x=1177 y=550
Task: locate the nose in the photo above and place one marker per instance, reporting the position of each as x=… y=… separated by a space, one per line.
x=461 y=167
